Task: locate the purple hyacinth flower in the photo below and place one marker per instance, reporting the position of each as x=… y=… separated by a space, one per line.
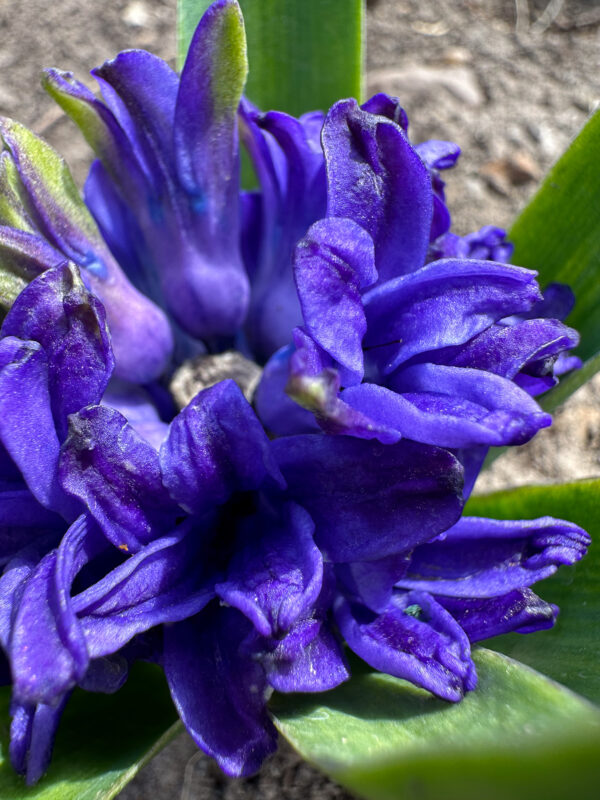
x=248 y=521
x=489 y=244
x=244 y=562
x=56 y=358
x=395 y=346
x=45 y=223
x=169 y=165
x=481 y=570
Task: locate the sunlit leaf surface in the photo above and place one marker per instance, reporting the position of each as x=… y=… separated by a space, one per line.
x=519 y=736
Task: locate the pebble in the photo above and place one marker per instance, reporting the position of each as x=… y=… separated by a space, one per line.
x=136 y=14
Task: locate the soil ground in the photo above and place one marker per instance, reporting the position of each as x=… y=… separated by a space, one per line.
x=511 y=81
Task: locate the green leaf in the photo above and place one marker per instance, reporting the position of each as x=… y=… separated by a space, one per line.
x=102 y=740
x=558 y=232
x=303 y=55
x=518 y=736
x=570 y=652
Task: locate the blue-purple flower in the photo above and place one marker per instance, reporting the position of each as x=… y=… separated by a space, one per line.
x=44 y=222
x=243 y=547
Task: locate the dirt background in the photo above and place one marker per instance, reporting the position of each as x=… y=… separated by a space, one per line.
x=511 y=81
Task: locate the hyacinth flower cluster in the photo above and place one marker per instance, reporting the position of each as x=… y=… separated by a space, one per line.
x=246 y=545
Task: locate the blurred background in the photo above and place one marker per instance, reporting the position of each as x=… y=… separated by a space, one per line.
x=511 y=81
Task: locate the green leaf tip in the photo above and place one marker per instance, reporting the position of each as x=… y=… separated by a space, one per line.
x=82 y=110
x=303 y=54
x=48 y=174
x=230 y=66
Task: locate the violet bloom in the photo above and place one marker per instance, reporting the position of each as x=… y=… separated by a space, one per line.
x=221 y=514
x=392 y=346
x=290 y=167
x=55 y=359
x=165 y=190
x=44 y=222
x=243 y=562
x=488 y=243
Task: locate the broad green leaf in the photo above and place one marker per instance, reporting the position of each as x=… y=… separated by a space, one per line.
x=570 y=652
x=303 y=55
x=558 y=232
x=102 y=742
x=518 y=736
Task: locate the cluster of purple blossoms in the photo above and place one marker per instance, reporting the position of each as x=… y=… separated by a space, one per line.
x=243 y=544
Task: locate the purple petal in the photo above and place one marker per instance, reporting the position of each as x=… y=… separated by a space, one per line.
x=389 y=107
x=117 y=475
x=26 y=254
x=457 y=298
x=141 y=335
x=519 y=611
x=120 y=229
x=27 y=428
x=204 y=459
x=557 y=302
x=376 y=178
x=505 y=350
x=205 y=115
x=163 y=583
x=32 y=734
x=275 y=577
x=57 y=311
x=316 y=388
x=565 y=363
x=23 y=520
x=47 y=648
x=12 y=584
x=139 y=410
x=481 y=557
x=333 y=262
x=359 y=517
x=318 y=666
x=490 y=243
x=219 y=690
x=414 y=639
x=437 y=154
x=207 y=164
x=140 y=89
x=105 y=134
x=289 y=161
x=454 y=407
x=371 y=583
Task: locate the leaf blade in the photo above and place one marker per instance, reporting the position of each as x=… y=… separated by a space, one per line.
x=102 y=742
x=501 y=742
x=558 y=232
